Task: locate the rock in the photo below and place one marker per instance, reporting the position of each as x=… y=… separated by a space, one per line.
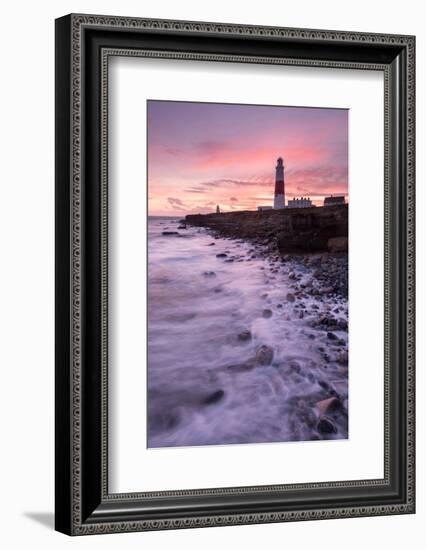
x=209 y=273
x=340 y=388
x=328 y=388
x=244 y=336
x=310 y=377
x=295 y=366
x=162 y=421
x=342 y=324
x=221 y=255
x=229 y=260
x=266 y=313
x=264 y=355
x=343 y=358
x=168 y=233
x=290 y=297
x=301 y=315
x=214 y=397
x=326 y=426
x=337 y=244
x=331 y=336
x=291 y=275
x=212 y=244
x=327 y=290
x=183 y=226
x=331 y=404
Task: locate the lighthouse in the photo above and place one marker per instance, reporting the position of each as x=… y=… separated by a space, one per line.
x=279 y=198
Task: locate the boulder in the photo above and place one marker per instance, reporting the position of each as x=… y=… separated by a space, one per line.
x=326 y=426
x=264 y=355
x=331 y=404
x=214 y=397
x=244 y=336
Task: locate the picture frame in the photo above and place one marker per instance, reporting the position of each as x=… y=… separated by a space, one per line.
x=84 y=44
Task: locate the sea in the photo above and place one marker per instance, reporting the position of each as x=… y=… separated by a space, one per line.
x=231 y=358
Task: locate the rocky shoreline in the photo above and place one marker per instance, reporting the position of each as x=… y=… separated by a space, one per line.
x=290 y=230
x=329 y=266
x=313 y=300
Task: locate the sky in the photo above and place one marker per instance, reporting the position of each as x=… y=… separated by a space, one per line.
x=205 y=154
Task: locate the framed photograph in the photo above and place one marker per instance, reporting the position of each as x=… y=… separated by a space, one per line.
x=234 y=274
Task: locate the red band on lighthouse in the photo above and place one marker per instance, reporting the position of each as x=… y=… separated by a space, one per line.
x=279 y=198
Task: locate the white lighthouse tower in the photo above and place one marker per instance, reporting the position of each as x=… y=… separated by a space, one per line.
x=279 y=198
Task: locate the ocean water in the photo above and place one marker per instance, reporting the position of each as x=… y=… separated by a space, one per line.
x=230 y=358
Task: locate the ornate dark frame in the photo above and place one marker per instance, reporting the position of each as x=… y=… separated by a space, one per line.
x=83 y=46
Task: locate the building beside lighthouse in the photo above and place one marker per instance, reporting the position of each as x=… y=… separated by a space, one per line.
x=279 y=197
x=303 y=202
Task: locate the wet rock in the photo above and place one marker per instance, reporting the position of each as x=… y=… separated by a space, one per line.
x=331 y=404
x=342 y=324
x=264 y=355
x=328 y=388
x=212 y=244
x=221 y=255
x=326 y=426
x=343 y=357
x=301 y=315
x=244 y=336
x=214 y=397
x=295 y=366
x=267 y=313
x=169 y=233
x=290 y=297
x=182 y=226
x=331 y=336
x=209 y=273
x=327 y=290
x=163 y=421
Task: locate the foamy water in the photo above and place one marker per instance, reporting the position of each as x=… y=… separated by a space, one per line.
x=207 y=323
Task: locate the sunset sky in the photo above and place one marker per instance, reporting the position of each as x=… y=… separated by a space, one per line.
x=204 y=154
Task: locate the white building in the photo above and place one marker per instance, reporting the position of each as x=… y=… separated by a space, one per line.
x=303 y=202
